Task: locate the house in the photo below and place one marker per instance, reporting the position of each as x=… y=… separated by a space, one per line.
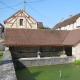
x=40 y=25
x=24 y=43
x=1 y=30
x=21 y=19
x=69 y=24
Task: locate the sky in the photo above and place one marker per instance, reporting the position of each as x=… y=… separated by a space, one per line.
x=50 y=12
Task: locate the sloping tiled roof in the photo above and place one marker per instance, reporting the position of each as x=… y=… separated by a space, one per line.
x=73 y=38
x=67 y=21
x=34 y=37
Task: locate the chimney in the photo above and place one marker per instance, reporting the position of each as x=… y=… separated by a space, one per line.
x=62 y=20
x=71 y=16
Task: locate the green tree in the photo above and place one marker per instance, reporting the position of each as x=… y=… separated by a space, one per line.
x=43 y=27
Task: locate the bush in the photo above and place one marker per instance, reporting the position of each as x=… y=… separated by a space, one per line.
x=1 y=54
x=77 y=62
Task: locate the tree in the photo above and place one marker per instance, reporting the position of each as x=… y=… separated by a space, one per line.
x=43 y=27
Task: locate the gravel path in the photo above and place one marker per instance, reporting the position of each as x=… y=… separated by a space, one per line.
x=0 y=71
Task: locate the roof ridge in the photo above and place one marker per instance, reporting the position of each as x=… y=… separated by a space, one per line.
x=65 y=37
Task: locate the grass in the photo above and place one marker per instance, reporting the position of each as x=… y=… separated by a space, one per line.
x=68 y=72
x=1 y=54
x=77 y=62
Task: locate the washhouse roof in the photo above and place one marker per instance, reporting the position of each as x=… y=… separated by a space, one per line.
x=39 y=37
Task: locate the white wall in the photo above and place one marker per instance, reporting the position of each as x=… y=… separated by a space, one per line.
x=14 y=21
x=71 y=26
x=25 y=24
x=76 y=51
x=78 y=22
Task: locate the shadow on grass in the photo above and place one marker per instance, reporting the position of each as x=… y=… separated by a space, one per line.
x=23 y=73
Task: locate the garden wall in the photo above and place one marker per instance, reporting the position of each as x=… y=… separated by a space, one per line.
x=2 y=48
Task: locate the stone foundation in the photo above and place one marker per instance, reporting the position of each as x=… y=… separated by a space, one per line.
x=25 y=62
x=76 y=51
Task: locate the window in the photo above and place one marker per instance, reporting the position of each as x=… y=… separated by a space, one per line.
x=21 y=22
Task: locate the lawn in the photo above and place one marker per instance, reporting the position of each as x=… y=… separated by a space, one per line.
x=1 y=54
x=68 y=72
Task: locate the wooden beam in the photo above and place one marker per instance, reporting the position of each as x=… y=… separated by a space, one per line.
x=29 y=23
x=28 y=18
x=14 y=17
x=9 y=23
x=13 y=22
x=21 y=14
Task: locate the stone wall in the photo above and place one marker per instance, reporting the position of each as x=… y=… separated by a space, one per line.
x=23 y=62
x=27 y=52
x=76 y=51
x=0 y=31
x=7 y=71
x=2 y=45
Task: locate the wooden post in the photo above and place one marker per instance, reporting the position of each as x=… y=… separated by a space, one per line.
x=63 y=53
x=6 y=48
x=38 y=53
x=63 y=50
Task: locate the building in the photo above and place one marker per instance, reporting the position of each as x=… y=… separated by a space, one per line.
x=1 y=30
x=69 y=24
x=21 y=19
x=40 y=25
x=28 y=42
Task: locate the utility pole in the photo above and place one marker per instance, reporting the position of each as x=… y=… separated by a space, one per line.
x=24 y=5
